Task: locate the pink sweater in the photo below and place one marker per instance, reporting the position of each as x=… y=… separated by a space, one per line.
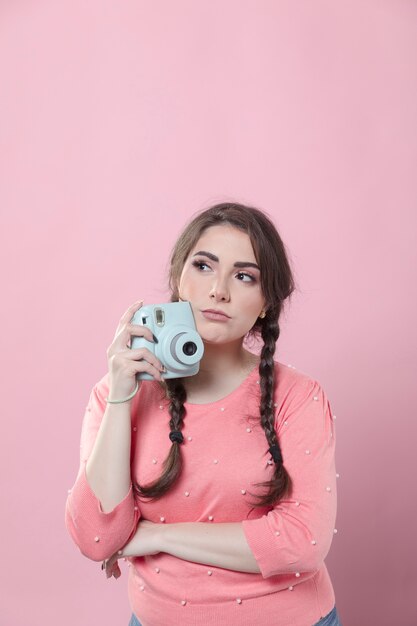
x=225 y=452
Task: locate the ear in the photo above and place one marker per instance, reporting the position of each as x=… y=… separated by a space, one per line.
x=264 y=310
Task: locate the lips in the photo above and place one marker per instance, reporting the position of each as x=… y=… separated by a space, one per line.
x=215 y=314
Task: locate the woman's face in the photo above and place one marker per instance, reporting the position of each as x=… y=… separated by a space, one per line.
x=221 y=274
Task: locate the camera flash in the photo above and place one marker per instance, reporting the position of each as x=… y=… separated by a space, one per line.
x=159 y=317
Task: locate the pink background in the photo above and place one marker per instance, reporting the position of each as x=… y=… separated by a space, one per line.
x=118 y=120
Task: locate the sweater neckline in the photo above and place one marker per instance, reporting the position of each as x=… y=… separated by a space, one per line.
x=254 y=371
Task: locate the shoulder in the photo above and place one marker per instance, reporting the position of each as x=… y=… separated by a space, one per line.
x=296 y=390
x=290 y=379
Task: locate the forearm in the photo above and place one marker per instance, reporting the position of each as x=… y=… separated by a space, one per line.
x=221 y=545
x=108 y=467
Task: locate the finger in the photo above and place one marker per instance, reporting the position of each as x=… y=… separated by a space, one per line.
x=124 y=333
x=109 y=571
x=129 y=313
x=116 y=571
x=113 y=570
x=142 y=359
x=108 y=564
x=156 y=371
x=138 y=330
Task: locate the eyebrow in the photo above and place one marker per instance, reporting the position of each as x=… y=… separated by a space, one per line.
x=215 y=258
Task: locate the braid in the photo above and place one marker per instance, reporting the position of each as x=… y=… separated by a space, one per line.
x=172 y=466
x=177 y=395
x=280 y=485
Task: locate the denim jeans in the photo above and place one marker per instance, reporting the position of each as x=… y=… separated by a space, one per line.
x=331 y=619
x=134 y=621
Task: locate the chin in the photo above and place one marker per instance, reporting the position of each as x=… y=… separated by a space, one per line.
x=213 y=338
x=218 y=339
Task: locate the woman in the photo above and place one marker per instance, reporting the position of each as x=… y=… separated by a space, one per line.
x=220 y=488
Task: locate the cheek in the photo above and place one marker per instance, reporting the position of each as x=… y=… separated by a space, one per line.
x=187 y=288
x=254 y=301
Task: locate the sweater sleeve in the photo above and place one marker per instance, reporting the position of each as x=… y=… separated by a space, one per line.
x=97 y=534
x=295 y=536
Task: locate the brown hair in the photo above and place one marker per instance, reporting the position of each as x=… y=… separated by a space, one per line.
x=277 y=283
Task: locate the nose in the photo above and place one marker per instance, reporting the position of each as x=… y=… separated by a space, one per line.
x=219 y=291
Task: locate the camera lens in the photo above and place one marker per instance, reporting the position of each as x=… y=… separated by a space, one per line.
x=189 y=348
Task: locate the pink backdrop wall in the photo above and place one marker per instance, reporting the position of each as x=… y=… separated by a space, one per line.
x=118 y=120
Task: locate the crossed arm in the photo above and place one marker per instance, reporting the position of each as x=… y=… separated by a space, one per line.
x=221 y=545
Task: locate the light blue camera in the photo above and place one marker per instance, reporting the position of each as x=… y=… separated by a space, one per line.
x=179 y=346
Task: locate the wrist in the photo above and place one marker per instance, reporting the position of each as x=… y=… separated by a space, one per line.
x=163 y=537
x=120 y=396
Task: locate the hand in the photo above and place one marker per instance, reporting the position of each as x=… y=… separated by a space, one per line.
x=123 y=362
x=146 y=540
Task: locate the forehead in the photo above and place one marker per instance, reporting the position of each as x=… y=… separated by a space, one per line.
x=226 y=241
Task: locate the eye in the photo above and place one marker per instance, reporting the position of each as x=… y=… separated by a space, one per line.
x=200 y=265
x=246 y=278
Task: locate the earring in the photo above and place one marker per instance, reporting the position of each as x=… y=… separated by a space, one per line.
x=262 y=314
